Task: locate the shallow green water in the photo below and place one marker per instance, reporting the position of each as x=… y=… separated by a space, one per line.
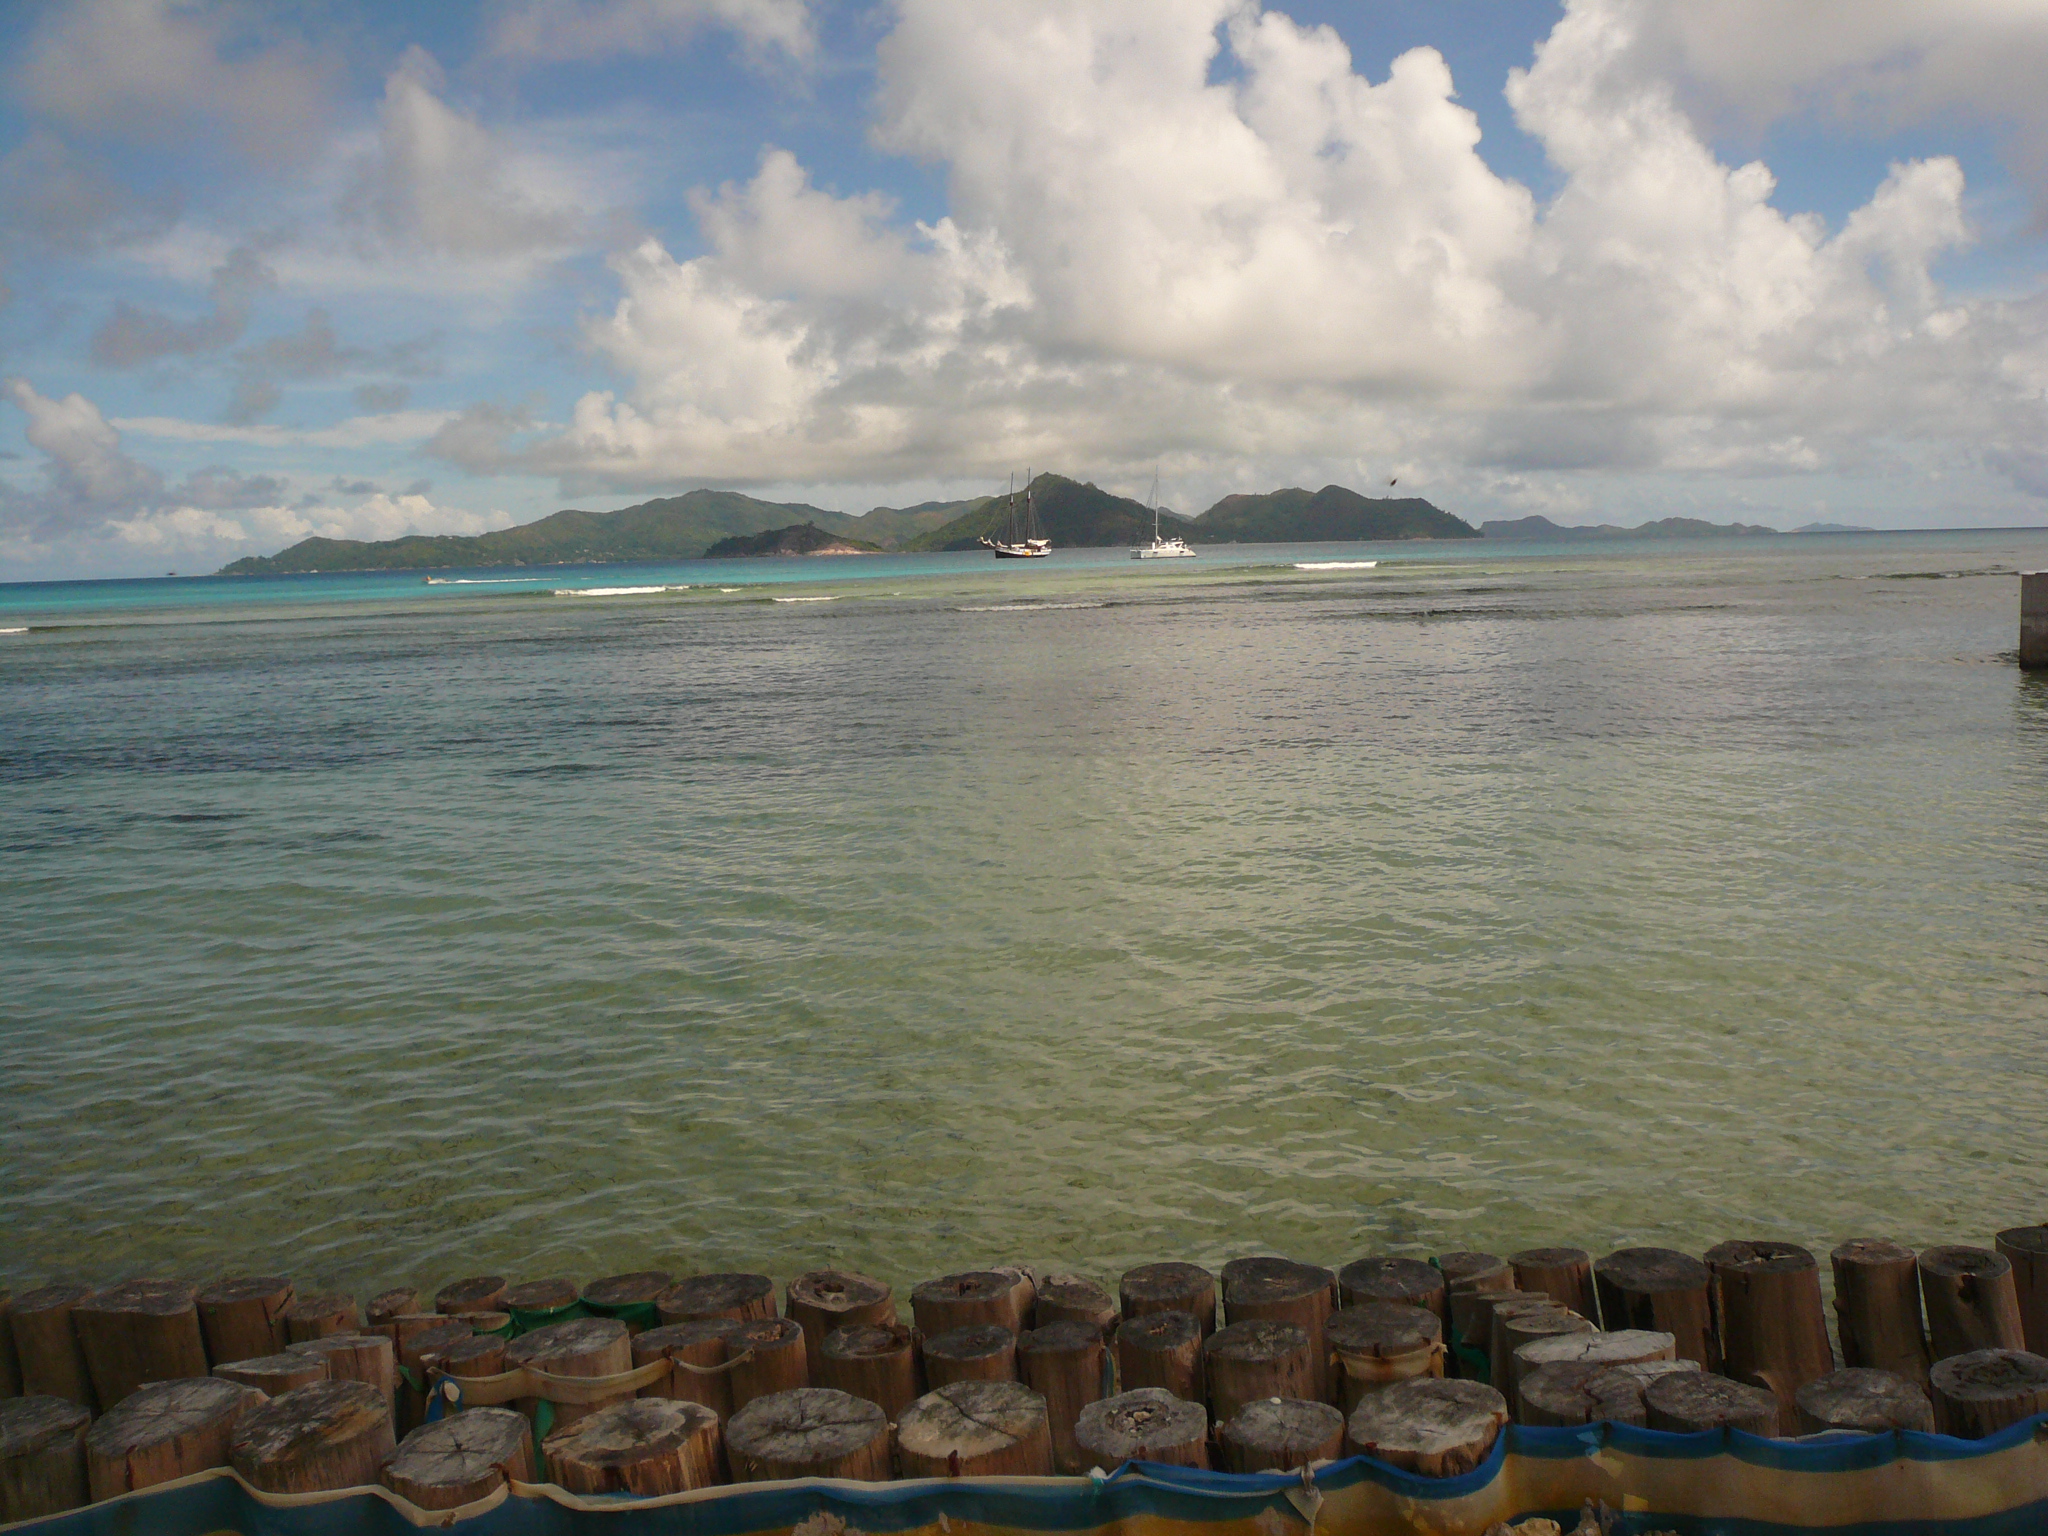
x=1086 y=914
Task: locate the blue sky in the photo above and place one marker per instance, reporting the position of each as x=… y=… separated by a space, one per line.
x=361 y=270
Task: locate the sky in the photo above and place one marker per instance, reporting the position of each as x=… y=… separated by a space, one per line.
x=270 y=270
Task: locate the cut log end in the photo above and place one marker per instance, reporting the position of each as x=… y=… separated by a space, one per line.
x=1281 y=1434
x=1435 y=1428
x=742 y=1297
x=1386 y=1277
x=314 y=1317
x=551 y=1295
x=1863 y=1399
x=275 y=1375
x=809 y=1432
x=42 y=1457
x=334 y=1434
x=976 y=1429
x=1170 y=1287
x=477 y=1293
x=1074 y=1299
x=1149 y=1424
x=961 y=1300
x=1979 y=1393
x=644 y=1445
x=461 y=1459
x=166 y=1430
x=1687 y=1402
x=979 y=1352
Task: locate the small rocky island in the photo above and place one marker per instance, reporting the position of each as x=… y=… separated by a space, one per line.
x=796 y=539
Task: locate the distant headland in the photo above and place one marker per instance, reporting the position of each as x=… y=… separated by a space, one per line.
x=1074 y=514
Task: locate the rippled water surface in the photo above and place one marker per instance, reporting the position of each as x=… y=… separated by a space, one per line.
x=1086 y=913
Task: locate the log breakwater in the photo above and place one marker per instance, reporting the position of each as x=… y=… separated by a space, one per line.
x=650 y=1383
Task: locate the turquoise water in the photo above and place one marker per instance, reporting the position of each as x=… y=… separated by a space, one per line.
x=1083 y=912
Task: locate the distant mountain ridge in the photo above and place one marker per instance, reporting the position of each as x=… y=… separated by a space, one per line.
x=796 y=539
x=1540 y=527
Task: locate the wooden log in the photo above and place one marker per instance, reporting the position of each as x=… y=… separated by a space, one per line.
x=1148 y=1424
x=810 y=1432
x=333 y=1434
x=1162 y=1350
x=1023 y=1290
x=10 y=1358
x=1514 y=1327
x=405 y=1327
x=538 y=1303
x=164 y=1431
x=631 y=1298
x=743 y=1298
x=1434 y=1428
x=962 y=1300
x=1686 y=1402
x=877 y=1361
x=1469 y=1270
x=700 y=1343
x=776 y=1359
x=1877 y=1307
x=582 y=1346
x=1565 y=1275
x=2026 y=1249
x=499 y=1323
x=1471 y=1345
x=42 y=1457
x=1066 y=1364
x=825 y=1299
x=1972 y=1303
x=1384 y=1277
x=315 y=1317
x=46 y=1344
x=1247 y=1361
x=478 y=1293
x=380 y=1309
x=1380 y=1343
x=414 y=1348
x=1169 y=1287
x=141 y=1330
x=1979 y=1393
x=1572 y=1392
x=1862 y=1399
x=275 y=1375
x=1468 y=1275
x=1774 y=1330
x=1664 y=1291
x=358 y=1357
x=976 y=1429
x=1074 y=1299
x=463 y=1458
x=242 y=1318
x=978 y=1352
x=1281 y=1434
x=643 y=1445
x=480 y=1354
x=1627 y=1346
x=1282 y=1291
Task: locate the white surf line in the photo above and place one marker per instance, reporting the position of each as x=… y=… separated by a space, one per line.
x=832 y=599
x=1335 y=565
x=613 y=591
x=21 y=631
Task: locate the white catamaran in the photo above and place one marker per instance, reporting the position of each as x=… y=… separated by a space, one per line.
x=1020 y=540
x=1160 y=549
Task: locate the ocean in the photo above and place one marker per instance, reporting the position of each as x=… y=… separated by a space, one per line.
x=915 y=913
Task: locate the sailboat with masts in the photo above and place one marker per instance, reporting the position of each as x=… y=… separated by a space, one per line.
x=1160 y=549
x=1021 y=539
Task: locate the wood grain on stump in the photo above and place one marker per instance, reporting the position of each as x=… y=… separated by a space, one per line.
x=1435 y=1428
x=1471 y=1340
x=551 y=1295
x=1248 y=1361
x=1573 y=1392
x=242 y=1318
x=976 y=1429
x=963 y=1300
x=1863 y=1399
x=1877 y=1307
x=1169 y=1287
x=415 y=1350
x=743 y=1298
x=643 y=1445
x=485 y=1322
x=1565 y=1275
x=1023 y=1290
x=1283 y=1291
x=46 y=1344
x=380 y=1309
x=1662 y=1290
x=1774 y=1331
x=333 y=1434
x=1384 y=1277
x=314 y=1317
x=1979 y=1393
x=825 y=1299
x=1686 y=1402
x=479 y=1354
x=1514 y=1328
x=700 y=1343
x=166 y=1430
x=140 y=1330
x=477 y=1293
x=630 y=1297
x=1148 y=1424
x=978 y=1352
x=1468 y=1275
x=877 y=1361
x=1074 y=1299
x=811 y=1432
x=1281 y=1434
x=582 y=1346
x=42 y=1457
x=1468 y=1269
x=775 y=1359
x=1064 y=1363
x=358 y=1357
x=462 y=1458
x=1626 y=1346
x=1163 y=1350
x=2026 y=1249
x=1383 y=1342
x=1972 y=1302
x=275 y=1375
